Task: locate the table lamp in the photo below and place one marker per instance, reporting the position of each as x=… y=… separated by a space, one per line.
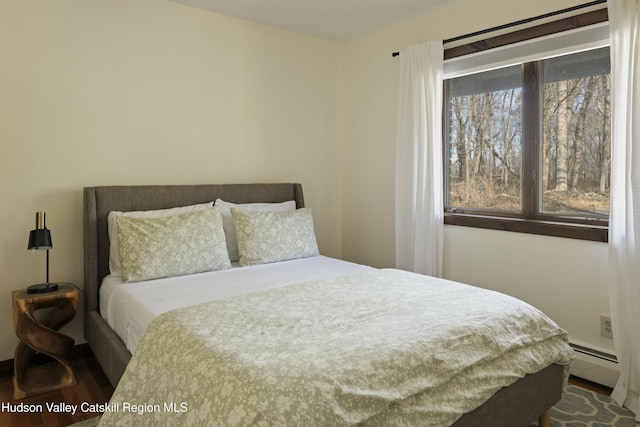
x=40 y=240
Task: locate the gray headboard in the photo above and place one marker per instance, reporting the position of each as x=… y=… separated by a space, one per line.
x=99 y=201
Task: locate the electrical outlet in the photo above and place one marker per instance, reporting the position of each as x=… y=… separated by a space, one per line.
x=606 y=329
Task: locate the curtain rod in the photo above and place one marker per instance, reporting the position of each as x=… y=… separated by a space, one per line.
x=514 y=24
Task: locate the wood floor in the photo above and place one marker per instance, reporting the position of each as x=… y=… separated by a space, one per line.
x=589 y=385
x=94 y=387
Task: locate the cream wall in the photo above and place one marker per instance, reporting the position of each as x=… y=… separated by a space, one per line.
x=563 y=277
x=151 y=92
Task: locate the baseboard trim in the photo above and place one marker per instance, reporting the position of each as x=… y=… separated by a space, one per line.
x=80 y=351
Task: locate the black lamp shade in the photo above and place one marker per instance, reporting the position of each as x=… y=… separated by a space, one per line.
x=40 y=240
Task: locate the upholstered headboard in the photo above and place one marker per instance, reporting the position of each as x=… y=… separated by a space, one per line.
x=99 y=201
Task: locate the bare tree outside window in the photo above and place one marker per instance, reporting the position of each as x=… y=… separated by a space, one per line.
x=485 y=134
x=576 y=148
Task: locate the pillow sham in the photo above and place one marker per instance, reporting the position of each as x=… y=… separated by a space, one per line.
x=187 y=243
x=265 y=237
x=112 y=225
x=227 y=221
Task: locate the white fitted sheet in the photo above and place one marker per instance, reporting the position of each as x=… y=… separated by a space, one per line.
x=128 y=308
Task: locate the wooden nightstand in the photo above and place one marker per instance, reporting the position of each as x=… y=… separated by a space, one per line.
x=39 y=335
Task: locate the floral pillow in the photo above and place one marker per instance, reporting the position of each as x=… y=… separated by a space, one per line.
x=114 y=256
x=265 y=237
x=188 y=243
x=227 y=221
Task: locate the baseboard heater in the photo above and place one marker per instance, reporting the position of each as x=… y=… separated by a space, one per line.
x=595 y=365
x=594 y=353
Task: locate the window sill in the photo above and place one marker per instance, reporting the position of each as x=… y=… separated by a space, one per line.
x=594 y=233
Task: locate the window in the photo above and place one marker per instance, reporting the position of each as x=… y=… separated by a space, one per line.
x=527 y=146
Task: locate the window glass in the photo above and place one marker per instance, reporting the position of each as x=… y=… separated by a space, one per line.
x=575 y=155
x=483 y=117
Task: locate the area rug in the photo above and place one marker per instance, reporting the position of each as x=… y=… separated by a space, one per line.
x=581 y=407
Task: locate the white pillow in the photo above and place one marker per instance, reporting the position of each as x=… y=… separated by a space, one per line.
x=227 y=222
x=176 y=245
x=265 y=237
x=114 y=257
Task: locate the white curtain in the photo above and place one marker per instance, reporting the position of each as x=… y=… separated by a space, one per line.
x=624 y=222
x=419 y=204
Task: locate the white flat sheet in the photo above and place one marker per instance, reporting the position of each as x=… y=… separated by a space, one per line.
x=128 y=308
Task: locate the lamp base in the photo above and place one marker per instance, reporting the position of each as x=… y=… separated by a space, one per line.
x=42 y=288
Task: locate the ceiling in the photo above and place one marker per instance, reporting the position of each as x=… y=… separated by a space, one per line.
x=338 y=20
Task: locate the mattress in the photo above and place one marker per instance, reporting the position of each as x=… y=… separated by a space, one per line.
x=128 y=308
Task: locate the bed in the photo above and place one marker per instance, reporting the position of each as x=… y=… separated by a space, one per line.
x=515 y=404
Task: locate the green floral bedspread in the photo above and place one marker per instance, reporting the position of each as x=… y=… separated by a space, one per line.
x=385 y=347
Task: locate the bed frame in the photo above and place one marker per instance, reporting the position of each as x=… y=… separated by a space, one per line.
x=516 y=405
